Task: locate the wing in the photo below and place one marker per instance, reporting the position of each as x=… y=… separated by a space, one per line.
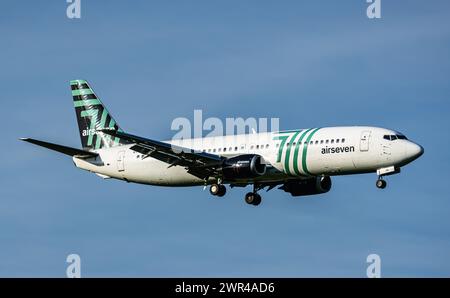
x=199 y=164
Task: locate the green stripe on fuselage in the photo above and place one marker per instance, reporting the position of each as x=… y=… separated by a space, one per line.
x=283 y=139
x=299 y=143
x=305 y=151
x=288 y=153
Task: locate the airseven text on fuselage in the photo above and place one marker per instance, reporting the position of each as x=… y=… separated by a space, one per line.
x=346 y=149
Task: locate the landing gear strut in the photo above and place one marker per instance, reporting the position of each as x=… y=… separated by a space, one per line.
x=218 y=190
x=253 y=198
x=381 y=183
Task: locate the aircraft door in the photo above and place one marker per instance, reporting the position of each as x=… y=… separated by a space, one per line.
x=364 y=142
x=121 y=161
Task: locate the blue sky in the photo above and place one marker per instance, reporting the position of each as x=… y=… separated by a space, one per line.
x=310 y=63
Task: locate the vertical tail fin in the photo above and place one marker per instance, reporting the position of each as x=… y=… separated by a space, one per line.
x=92 y=116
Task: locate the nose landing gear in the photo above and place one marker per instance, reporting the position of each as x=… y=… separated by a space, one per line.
x=385 y=172
x=381 y=184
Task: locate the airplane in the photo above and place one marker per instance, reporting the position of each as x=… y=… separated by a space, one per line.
x=301 y=162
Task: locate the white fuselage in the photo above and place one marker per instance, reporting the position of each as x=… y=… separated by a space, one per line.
x=292 y=154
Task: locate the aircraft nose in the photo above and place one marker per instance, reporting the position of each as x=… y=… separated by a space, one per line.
x=413 y=151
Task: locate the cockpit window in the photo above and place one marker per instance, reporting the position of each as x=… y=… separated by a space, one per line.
x=394 y=137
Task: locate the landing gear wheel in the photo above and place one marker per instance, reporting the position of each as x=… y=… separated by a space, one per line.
x=250 y=198
x=214 y=189
x=257 y=199
x=381 y=183
x=222 y=190
x=218 y=190
x=253 y=198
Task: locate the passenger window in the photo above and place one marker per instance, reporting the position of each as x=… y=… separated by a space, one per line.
x=317 y=142
x=343 y=141
x=220 y=149
x=332 y=141
x=235 y=148
x=214 y=150
x=267 y=146
x=251 y=147
x=321 y=141
x=327 y=141
x=337 y=140
x=311 y=143
x=257 y=146
x=224 y=149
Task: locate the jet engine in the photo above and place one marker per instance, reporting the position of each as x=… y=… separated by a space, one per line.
x=305 y=187
x=243 y=166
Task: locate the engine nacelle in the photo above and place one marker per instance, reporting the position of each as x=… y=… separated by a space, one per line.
x=305 y=187
x=243 y=166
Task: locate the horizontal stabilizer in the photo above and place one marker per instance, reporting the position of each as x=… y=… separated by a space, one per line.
x=62 y=149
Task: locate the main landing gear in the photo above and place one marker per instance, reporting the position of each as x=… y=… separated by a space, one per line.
x=381 y=184
x=218 y=190
x=253 y=198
